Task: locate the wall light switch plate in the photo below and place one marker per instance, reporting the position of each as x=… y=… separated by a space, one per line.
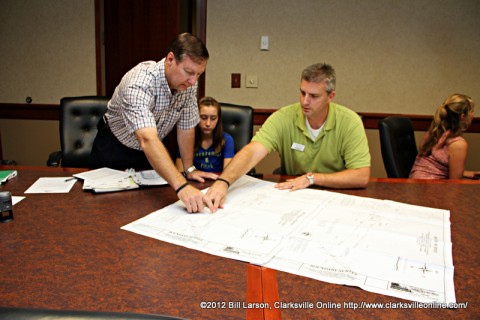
x=264 y=43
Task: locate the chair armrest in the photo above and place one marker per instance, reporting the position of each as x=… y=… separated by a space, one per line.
x=54 y=159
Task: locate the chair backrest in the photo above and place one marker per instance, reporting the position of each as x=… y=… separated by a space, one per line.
x=238 y=122
x=399 y=149
x=79 y=117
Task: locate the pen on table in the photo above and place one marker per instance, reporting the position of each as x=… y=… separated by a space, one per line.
x=70 y=179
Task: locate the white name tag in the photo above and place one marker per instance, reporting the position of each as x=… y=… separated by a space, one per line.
x=298 y=147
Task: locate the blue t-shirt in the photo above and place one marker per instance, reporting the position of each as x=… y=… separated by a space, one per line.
x=209 y=161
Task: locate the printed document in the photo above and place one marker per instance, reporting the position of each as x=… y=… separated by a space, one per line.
x=380 y=246
x=51 y=185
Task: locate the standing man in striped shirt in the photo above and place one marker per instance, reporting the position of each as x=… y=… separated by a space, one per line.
x=150 y=100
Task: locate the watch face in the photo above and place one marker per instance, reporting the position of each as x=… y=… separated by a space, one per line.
x=310 y=178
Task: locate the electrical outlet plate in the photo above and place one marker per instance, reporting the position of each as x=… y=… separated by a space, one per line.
x=251 y=81
x=236 y=80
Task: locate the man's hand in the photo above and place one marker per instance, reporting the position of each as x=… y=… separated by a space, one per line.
x=192 y=198
x=200 y=176
x=298 y=183
x=216 y=195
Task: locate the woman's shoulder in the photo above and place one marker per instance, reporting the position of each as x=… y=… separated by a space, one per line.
x=455 y=139
x=457 y=144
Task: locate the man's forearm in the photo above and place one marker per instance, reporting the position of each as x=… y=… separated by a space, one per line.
x=243 y=161
x=350 y=178
x=185 y=142
x=161 y=162
x=159 y=158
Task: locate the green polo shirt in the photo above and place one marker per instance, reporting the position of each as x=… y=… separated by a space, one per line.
x=341 y=144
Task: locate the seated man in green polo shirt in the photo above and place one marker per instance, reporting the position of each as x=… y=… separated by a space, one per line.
x=319 y=141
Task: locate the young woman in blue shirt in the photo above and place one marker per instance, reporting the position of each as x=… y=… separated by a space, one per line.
x=213 y=148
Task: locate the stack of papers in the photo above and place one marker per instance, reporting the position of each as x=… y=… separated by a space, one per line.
x=148 y=178
x=111 y=180
x=6 y=175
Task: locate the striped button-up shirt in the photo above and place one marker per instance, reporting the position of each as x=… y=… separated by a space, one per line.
x=143 y=99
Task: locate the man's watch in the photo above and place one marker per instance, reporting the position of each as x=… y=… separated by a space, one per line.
x=189 y=170
x=311 y=178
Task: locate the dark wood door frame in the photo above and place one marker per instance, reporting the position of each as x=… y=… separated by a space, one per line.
x=198 y=25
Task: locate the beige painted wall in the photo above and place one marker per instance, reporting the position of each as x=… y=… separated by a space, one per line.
x=47 y=52
x=390 y=56
x=29 y=142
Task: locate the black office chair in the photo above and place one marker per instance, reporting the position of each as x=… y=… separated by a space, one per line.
x=42 y=314
x=237 y=120
x=79 y=117
x=399 y=149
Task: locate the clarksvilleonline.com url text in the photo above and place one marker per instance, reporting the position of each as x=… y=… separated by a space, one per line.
x=330 y=305
x=396 y=305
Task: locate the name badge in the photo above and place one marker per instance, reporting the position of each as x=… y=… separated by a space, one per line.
x=298 y=147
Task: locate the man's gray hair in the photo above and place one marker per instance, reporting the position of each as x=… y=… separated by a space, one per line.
x=318 y=72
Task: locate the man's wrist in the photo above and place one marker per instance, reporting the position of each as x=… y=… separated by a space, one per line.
x=189 y=170
x=311 y=178
x=225 y=181
x=181 y=187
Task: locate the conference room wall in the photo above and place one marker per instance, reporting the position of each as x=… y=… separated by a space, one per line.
x=42 y=60
x=401 y=57
x=47 y=52
x=390 y=56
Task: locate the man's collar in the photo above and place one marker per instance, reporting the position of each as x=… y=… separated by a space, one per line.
x=329 y=121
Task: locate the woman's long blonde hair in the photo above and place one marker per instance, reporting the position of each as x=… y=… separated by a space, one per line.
x=448 y=118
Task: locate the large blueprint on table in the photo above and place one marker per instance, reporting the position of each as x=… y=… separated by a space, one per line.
x=381 y=246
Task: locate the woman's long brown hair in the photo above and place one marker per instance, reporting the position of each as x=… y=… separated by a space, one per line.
x=217 y=133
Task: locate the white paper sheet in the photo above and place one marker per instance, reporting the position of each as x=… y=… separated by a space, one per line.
x=16 y=199
x=378 y=245
x=148 y=178
x=52 y=185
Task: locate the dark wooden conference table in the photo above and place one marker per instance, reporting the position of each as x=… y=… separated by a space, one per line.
x=67 y=251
